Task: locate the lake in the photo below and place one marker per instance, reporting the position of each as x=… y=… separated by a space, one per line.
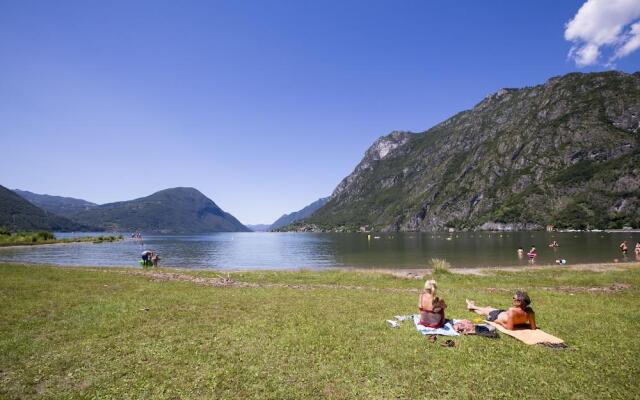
x=264 y=250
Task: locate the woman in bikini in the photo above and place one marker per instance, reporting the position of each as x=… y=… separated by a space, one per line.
x=431 y=306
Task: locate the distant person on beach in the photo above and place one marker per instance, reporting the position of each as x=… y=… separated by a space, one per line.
x=431 y=306
x=520 y=252
x=554 y=244
x=518 y=314
x=624 y=247
x=155 y=259
x=146 y=257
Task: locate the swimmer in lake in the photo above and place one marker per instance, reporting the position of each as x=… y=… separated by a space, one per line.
x=624 y=247
x=532 y=254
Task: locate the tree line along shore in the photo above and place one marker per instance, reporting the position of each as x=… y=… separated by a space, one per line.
x=8 y=238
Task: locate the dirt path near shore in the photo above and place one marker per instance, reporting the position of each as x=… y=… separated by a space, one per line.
x=483 y=271
x=228 y=282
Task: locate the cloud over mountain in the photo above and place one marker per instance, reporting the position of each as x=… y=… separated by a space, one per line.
x=600 y=27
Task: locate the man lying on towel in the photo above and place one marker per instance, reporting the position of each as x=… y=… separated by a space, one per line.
x=520 y=313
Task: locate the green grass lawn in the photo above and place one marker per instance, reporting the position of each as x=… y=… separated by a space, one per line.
x=85 y=333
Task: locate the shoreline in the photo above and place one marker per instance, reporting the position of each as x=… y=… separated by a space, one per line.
x=419 y=273
x=58 y=242
x=404 y=273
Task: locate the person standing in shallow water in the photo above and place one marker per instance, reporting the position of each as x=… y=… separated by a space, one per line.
x=624 y=248
x=532 y=254
x=146 y=257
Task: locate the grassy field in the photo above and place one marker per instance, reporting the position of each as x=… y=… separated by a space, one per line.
x=117 y=334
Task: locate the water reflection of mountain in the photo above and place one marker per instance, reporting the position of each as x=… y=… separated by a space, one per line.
x=257 y=250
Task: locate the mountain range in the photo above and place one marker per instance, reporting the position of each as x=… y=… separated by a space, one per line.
x=306 y=212
x=176 y=210
x=564 y=153
x=259 y=227
x=64 y=206
x=16 y=213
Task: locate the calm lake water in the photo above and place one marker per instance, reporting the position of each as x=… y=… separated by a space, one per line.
x=260 y=250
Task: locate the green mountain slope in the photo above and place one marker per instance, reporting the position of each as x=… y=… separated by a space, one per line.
x=307 y=211
x=17 y=214
x=64 y=206
x=564 y=153
x=177 y=210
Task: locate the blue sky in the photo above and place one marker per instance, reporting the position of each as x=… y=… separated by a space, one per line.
x=263 y=106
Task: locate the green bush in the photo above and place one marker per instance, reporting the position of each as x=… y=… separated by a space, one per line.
x=43 y=235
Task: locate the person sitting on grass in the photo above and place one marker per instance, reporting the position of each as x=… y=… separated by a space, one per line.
x=518 y=314
x=431 y=306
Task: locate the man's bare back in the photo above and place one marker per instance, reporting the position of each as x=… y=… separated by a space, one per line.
x=515 y=316
x=519 y=314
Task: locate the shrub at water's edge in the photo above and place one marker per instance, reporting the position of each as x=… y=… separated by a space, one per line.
x=440 y=266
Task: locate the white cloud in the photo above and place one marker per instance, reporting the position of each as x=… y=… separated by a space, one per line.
x=632 y=43
x=604 y=26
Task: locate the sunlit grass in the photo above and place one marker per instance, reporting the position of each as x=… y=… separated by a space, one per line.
x=80 y=333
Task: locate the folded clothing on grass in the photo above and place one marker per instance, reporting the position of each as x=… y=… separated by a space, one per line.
x=446 y=330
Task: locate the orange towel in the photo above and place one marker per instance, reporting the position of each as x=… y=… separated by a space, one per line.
x=528 y=336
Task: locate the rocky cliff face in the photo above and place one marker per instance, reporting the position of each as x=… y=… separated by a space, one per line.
x=564 y=153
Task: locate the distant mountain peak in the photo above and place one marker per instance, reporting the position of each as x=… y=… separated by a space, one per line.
x=59 y=205
x=17 y=213
x=305 y=212
x=173 y=210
